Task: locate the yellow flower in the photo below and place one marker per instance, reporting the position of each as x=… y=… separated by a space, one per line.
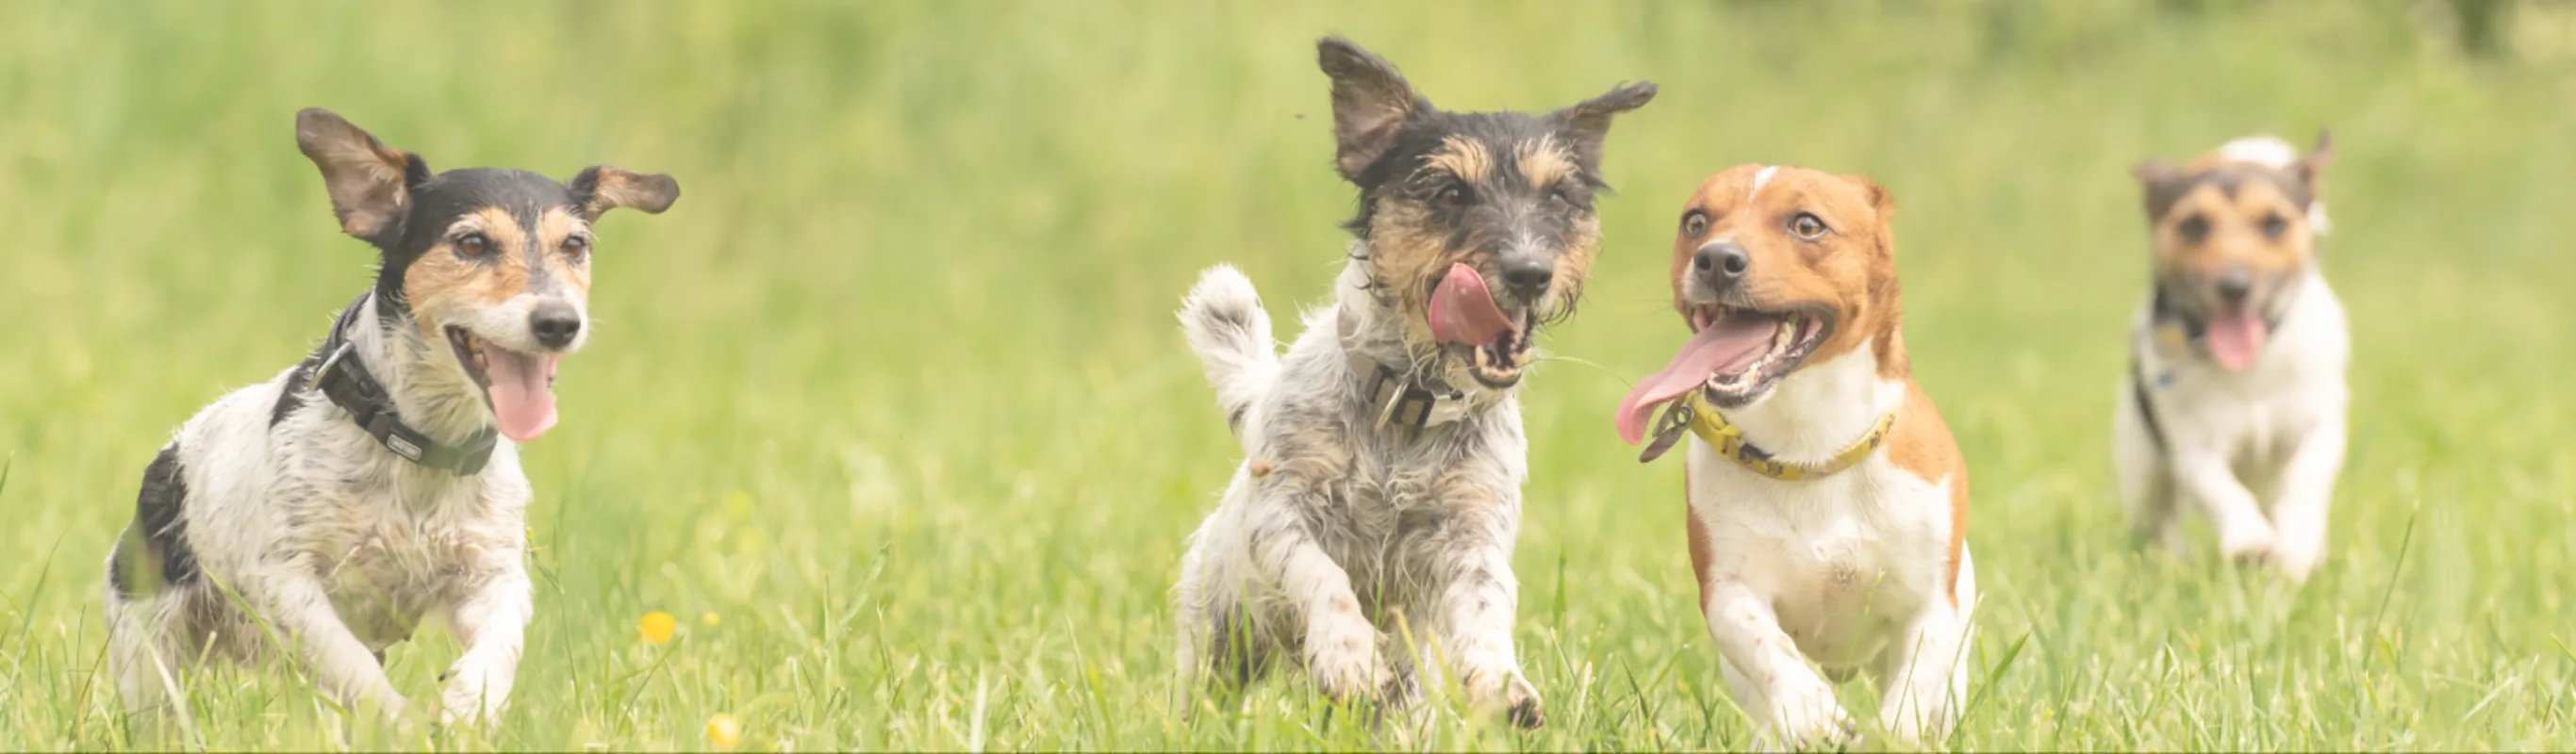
x=657 y=626
x=723 y=731
x=710 y=619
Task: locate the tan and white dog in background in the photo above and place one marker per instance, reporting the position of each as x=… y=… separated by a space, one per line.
x=1827 y=501
x=2235 y=396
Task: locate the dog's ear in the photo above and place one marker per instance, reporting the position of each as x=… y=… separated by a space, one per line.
x=1589 y=121
x=601 y=188
x=369 y=183
x=1880 y=200
x=2162 y=182
x=1371 y=103
x=2311 y=169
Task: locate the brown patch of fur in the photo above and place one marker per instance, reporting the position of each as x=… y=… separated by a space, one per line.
x=553 y=228
x=1543 y=162
x=1463 y=158
x=1921 y=444
x=1698 y=534
x=443 y=280
x=1405 y=250
x=1851 y=270
x=2235 y=239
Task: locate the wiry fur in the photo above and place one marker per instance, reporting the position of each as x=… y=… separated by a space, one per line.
x=274 y=527
x=1379 y=558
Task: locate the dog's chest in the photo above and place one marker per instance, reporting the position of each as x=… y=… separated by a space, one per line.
x=1845 y=561
x=392 y=549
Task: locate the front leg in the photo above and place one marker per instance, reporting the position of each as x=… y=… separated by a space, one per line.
x=2307 y=490
x=1340 y=644
x=1797 y=705
x=1478 y=597
x=1926 y=674
x=491 y=620
x=2243 y=532
x=294 y=602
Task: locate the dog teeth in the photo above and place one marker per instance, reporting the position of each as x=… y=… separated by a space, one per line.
x=1788 y=332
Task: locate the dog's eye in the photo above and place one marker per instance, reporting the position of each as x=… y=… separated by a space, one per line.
x=2274 y=226
x=1694 y=224
x=1806 y=225
x=2194 y=229
x=1453 y=197
x=473 y=245
x=576 y=245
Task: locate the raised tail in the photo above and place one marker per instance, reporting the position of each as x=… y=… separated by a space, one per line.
x=1224 y=322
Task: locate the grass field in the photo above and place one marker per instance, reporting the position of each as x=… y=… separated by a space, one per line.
x=891 y=412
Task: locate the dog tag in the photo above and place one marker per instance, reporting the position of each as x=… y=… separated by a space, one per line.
x=1668 y=431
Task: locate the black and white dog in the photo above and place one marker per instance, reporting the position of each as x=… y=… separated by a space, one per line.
x=1383 y=486
x=376 y=482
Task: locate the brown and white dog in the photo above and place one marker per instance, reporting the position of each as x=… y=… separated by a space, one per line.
x=1827 y=502
x=2235 y=396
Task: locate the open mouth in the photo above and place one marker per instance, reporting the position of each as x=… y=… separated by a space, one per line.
x=1463 y=315
x=1498 y=364
x=518 y=387
x=1734 y=357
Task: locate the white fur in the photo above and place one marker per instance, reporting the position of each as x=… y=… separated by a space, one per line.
x=339 y=546
x=1761 y=178
x=2274 y=152
x=1842 y=572
x=2256 y=450
x=1336 y=536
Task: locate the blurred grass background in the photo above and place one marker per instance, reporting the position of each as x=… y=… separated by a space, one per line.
x=890 y=409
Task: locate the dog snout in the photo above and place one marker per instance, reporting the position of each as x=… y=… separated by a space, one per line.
x=1528 y=276
x=554 y=324
x=2233 y=286
x=1721 y=263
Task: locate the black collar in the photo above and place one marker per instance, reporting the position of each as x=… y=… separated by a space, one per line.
x=345 y=379
x=1395 y=396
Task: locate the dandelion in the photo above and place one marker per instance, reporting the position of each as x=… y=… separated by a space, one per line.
x=723 y=731
x=710 y=619
x=657 y=627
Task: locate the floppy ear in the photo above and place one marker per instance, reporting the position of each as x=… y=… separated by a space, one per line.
x=1880 y=200
x=1589 y=120
x=369 y=183
x=1371 y=102
x=2163 y=183
x=601 y=188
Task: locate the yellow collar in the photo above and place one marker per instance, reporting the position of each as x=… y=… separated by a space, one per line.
x=1728 y=440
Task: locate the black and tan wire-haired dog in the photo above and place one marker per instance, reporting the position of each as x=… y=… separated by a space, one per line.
x=377 y=482
x=1381 y=490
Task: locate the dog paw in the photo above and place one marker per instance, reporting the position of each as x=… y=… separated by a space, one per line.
x=2249 y=542
x=1353 y=676
x=472 y=697
x=1809 y=719
x=1522 y=705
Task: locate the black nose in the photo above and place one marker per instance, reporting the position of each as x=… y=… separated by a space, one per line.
x=2233 y=286
x=1529 y=276
x=1721 y=261
x=554 y=324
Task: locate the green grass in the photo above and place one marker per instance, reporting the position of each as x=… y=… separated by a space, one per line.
x=894 y=390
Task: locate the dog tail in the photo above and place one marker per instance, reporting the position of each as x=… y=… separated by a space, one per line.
x=1224 y=322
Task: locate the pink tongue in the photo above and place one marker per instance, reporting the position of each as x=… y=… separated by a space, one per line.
x=523 y=394
x=2235 y=339
x=1463 y=311
x=1721 y=347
